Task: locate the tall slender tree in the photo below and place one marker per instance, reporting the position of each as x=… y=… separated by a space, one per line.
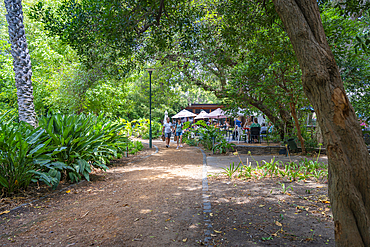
x=21 y=61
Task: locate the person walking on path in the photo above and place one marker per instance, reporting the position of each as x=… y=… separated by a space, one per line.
x=167 y=129
x=179 y=133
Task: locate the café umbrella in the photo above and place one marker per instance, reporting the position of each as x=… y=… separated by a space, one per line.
x=184 y=113
x=201 y=115
x=218 y=113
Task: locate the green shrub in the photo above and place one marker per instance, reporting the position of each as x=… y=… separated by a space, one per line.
x=63 y=146
x=209 y=135
x=140 y=128
x=135 y=147
x=21 y=146
x=83 y=142
x=191 y=142
x=223 y=146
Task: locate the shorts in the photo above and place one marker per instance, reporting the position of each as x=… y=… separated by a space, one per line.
x=167 y=135
x=179 y=133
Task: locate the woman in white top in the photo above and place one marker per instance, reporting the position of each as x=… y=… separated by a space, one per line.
x=166 y=130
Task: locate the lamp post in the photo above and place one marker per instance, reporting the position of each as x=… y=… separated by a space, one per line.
x=150 y=70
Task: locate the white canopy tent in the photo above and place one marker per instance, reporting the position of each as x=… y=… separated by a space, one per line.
x=201 y=115
x=184 y=113
x=218 y=113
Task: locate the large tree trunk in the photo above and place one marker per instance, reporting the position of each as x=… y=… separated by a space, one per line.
x=349 y=160
x=22 y=61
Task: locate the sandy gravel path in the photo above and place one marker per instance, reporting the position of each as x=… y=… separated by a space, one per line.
x=156 y=201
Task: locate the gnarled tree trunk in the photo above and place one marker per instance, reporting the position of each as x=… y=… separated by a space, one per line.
x=349 y=160
x=21 y=61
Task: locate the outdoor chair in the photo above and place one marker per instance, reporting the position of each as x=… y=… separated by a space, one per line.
x=255 y=134
x=264 y=134
x=292 y=145
x=192 y=135
x=235 y=134
x=366 y=135
x=242 y=133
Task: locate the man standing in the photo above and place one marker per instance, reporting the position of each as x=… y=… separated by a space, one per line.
x=238 y=124
x=167 y=129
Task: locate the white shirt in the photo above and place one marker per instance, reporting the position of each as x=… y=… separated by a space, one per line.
x=167 y=127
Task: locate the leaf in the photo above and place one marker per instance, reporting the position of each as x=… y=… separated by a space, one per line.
x=3 y=182
x=184 y=240
x=4 y=212
x=86 y=175
x=68 y=191
x=261 y=206
x=278 y=223
x=217 y=231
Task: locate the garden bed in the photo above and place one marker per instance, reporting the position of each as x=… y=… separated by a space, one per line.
x=257 y=212
x=38 y=191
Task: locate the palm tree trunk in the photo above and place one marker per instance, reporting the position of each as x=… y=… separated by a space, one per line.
x=21 y=61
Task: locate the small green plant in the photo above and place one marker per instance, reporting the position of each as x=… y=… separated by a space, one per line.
x=231 y=170
x=271 y=168
x=267 y=238
x=191 y=142
x=293 y=172
x=213 y=175
x=247 y=171
x=223 y=146
x=135 y=147
x=284 y=189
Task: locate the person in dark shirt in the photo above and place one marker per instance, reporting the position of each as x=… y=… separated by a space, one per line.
x=255 y=124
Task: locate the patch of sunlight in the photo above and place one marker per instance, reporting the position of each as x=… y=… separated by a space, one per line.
x=146 y=211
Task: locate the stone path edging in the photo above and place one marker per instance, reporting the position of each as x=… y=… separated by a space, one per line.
x=207 y=208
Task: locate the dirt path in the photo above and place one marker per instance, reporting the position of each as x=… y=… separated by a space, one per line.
x=166 y=200
x=155 y=201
